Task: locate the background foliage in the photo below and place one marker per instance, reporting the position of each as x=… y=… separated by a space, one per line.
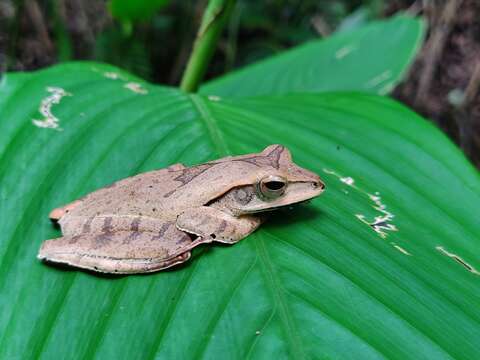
x=153 y=39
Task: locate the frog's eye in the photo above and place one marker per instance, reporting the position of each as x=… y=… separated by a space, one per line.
x=272 y=186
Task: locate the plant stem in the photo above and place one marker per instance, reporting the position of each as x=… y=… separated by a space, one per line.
x=213 y=20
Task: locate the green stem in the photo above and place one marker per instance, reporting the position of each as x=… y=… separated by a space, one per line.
x=213 y=21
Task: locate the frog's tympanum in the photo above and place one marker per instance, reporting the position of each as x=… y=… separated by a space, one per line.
x=151 y=221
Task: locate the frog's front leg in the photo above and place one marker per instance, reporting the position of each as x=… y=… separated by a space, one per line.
x=215 y=225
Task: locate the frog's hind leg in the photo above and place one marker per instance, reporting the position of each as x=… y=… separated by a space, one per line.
x=138 y=246
x=51 y=251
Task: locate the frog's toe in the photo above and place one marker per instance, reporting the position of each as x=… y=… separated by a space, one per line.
x=57 y=213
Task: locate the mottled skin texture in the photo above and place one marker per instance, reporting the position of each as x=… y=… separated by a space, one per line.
x=151 y=221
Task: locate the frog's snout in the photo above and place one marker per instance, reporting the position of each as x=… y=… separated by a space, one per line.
x=318 y=184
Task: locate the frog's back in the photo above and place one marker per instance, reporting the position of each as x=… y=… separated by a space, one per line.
x=144 y=194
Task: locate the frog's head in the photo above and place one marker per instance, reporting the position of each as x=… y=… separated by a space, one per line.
x=276 y=182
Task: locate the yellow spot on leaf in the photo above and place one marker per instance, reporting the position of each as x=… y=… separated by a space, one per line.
x=344 y=51
x=136 y=88
x=401 y=249
x=50 y=121
x=377 y=80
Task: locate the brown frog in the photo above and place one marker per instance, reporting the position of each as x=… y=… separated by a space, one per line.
x=151 y=221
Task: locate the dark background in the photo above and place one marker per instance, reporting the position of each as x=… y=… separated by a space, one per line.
x=443 y=83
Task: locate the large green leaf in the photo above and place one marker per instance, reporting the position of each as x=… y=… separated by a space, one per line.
x=372 y=59
x=315 y=282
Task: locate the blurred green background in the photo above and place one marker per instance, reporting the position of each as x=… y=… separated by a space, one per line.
x=153 y=40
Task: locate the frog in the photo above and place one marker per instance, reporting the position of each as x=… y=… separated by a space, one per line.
x=153 y=220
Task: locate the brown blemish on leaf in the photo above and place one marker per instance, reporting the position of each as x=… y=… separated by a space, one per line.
x=458 y=259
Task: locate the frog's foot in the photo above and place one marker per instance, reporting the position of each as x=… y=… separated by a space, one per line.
x=175 y=167
x=121 y=251
x=214 y=225
x=58 y=213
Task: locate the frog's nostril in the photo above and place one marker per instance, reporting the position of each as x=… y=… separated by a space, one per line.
x=319 y=184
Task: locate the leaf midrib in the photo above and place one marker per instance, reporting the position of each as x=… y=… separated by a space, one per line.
x=214 y=132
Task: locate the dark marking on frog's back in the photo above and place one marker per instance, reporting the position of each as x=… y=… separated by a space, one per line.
x=74 y=239
x=107 y=225
x=102 y=239
x=275 y=155
x=271 y=159
x=222 y=227
x=106 y=235
x=188 y=174
x=185 y=238
x=131 y=237
x=134 y=233
x=162 y=231
x=87 y=225
x=135 y=224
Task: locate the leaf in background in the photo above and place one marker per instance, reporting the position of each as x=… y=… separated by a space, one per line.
x=135 y=10
x=316 y=282
x=373 y=59
x=113 y=47
x=358 y=18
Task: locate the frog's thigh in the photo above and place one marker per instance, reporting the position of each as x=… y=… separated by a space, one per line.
x=116 y=250
x=72 y=225
x=211 y=223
